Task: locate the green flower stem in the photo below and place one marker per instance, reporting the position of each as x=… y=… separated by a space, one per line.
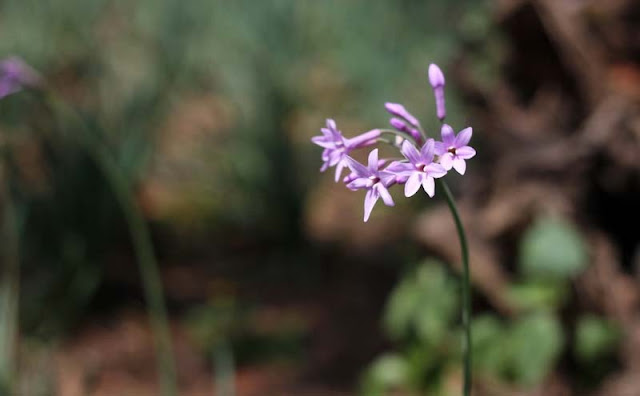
x=141 y=240
x=224 y=369
x=466 y=288
x=9 y=294
x=398 y=133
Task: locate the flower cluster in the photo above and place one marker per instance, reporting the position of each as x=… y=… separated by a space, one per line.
x=425 y=159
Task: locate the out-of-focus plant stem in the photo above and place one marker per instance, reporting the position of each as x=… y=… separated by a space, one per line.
x=466 y=289
x=224 y=369
x=9 y=294
x=141 y=240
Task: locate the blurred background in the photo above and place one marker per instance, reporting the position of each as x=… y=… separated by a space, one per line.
x=274 y=284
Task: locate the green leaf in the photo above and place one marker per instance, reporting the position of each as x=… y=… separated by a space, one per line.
x=534 y=344
x=595 y=338
x=389 y=371
x=552 y=249
x=489 y=355
x=424 y=303
x=537 y=295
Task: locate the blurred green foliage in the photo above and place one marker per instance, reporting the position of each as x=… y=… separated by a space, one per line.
x=422 y=304
x=522 y=351
x=596 y=341
x=536 y=295
x=252 y=334
x=551 y=249
x=534 y=344
x=271 y=67
x=422 y=312
x=387 y=373
x=595 y=338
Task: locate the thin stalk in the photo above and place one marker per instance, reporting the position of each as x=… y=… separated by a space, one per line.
x=423 y=133
x=9 y=295
x=466 y=289
x=224 y=369
x=398 y=133
x=141 y=241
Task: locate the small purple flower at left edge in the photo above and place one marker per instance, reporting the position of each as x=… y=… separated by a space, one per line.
x=372 y=179
x=421 y=170
x=454 y=150
x=15 y=74
x=337 y=147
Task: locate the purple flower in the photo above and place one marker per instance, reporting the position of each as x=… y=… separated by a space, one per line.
x=372 y=179
x=14 y=75
x=421 y=170
x=436 y=79
x=352 y=175
x=454 y=150
x=337 y=147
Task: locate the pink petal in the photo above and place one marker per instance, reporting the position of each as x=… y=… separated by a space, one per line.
x=397 y=167
x=410 y=152
x=360 y=183
x=321 y=141
x=387 y=177
x=412 y=185
x=436 y=78
x=464 y=137
x=384 y=194
x=369 y=202
x=364 y=139
x=459 y=165
x=439 y=148
x=373 y=161
x=446 y=160
x=426 y=152
x=435 y=170
x=325 y=154
x=357 y=167
x=334 y=157
x=401 y=179
x=465 y=152
x=429 y=186
x=448 y=135
x=339 y=168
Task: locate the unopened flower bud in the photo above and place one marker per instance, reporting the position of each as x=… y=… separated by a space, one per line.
x=436 y=79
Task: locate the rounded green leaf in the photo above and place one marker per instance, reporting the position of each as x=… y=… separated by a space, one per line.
x=552 y=248
x=424 y=303
x=534 y=344
x=595 y=338
x=387 y=372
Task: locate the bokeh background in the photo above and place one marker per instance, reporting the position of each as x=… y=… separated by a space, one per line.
x=274 y=284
